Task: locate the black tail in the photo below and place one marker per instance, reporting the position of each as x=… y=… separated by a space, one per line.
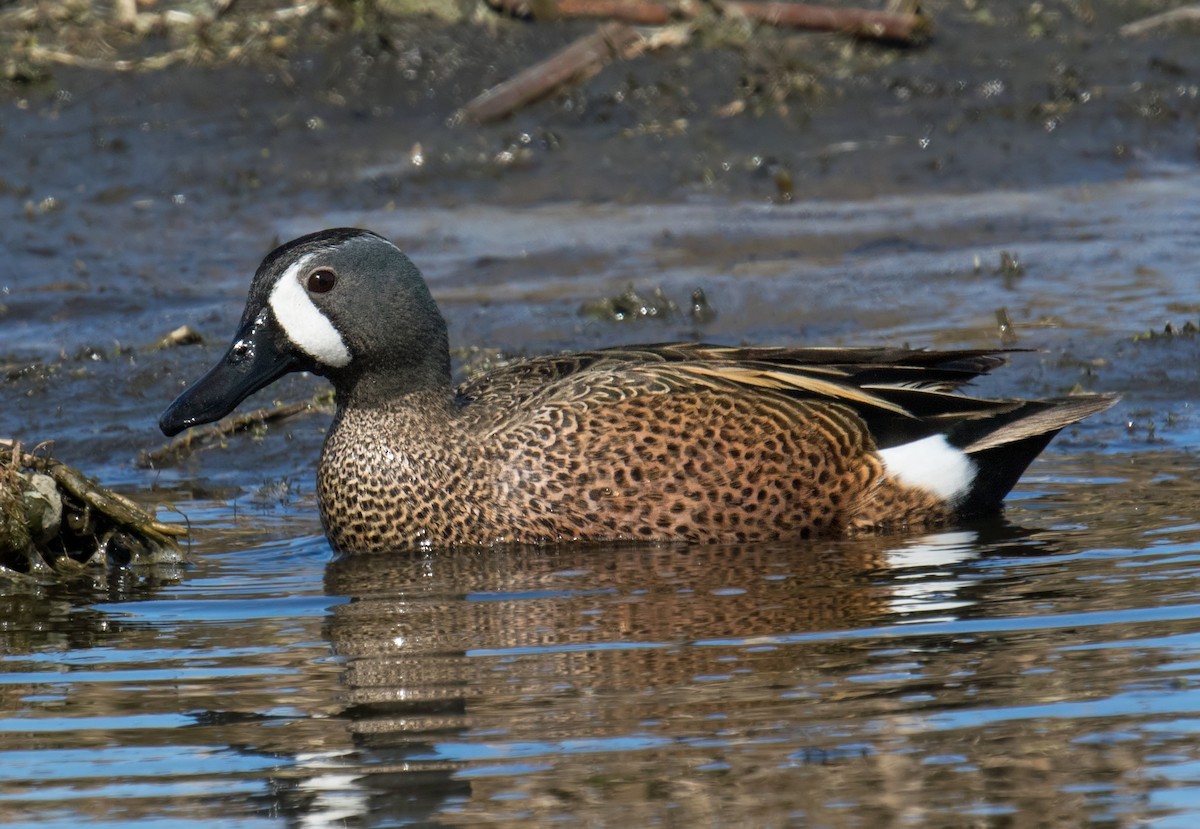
x=1003 y=446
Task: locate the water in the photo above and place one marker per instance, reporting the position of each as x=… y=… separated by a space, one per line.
x=1039 y=669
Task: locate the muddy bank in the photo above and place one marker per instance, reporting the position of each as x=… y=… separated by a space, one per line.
x=1007 y=94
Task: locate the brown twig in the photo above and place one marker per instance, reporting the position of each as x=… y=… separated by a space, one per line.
x=193 y=439
x=576 y=62
x=907 y=26
x=1183 y=14
x=635 y=12
x=865 y=23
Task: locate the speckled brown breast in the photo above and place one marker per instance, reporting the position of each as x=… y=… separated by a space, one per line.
x=394 y=478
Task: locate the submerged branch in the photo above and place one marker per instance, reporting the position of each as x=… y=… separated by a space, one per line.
x=198 y=438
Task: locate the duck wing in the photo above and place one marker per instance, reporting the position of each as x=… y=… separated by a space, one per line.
x=902 y=394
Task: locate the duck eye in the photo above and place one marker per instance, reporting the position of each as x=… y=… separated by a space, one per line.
x=321 y=281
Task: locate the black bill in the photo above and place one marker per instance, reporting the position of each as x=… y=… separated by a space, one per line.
x=253 y=361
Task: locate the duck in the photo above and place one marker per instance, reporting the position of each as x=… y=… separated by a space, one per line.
x=668 y=442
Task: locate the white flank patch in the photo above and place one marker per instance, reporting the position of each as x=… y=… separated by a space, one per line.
x=303 y=323
x=933 y=465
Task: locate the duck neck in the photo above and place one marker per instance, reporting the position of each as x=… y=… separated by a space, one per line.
x=430 y=402
x=425 y=386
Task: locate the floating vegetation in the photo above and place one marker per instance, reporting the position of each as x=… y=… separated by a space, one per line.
x=1009 y=265
x=630 y=305
x=54 y=519
x=1170 y=331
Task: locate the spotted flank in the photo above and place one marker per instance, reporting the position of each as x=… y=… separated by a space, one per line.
x=669 y=442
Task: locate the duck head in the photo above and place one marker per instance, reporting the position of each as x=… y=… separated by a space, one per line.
x=343 y=303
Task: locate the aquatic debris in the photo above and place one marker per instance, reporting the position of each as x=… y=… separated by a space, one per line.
x=1008 y=334
x=190 y=441
x=1170 y=331
x=53 y=518
x=1009 y=265
x=49 y=204
x=630 y=305
x=183 y=335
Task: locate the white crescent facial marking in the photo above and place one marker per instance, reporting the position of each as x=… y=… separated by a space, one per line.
x=302 y=322
x=933 y=465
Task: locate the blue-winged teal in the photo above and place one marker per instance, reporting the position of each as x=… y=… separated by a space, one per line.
x=662 y=442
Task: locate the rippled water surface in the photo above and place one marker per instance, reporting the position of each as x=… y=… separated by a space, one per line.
x=1040 y=669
